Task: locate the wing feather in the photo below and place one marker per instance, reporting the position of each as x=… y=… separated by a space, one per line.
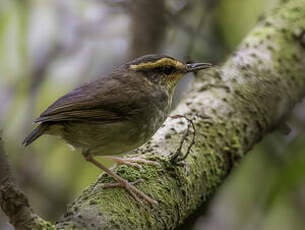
x=93 y=101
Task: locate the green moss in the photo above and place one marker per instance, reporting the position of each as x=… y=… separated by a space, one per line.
x=39 y=224
x=258 y=86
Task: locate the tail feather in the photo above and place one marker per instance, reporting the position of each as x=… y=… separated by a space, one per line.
x=37 y=132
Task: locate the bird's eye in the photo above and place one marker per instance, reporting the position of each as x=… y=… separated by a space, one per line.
x=168 y=70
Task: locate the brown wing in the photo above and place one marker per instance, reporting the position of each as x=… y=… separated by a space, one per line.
x=103 y=100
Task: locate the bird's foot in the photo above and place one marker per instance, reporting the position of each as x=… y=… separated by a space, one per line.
x=129 y=186
x=134 y=161
x=134 y=192
x=115 y=185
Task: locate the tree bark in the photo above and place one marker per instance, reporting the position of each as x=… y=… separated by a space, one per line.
x=232 y=108
x=14 y=203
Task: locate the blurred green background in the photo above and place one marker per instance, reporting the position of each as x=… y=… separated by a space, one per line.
x=48 y=47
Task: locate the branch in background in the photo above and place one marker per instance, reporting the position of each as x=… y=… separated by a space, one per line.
x=244 y=99
x=204 y=33
x=5 y=173
x=13 y=202
x=148 y=26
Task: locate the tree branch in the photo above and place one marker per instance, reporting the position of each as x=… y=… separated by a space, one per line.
x=231 y=108
x=14 y=203
x=148 y=26
x=244 y=99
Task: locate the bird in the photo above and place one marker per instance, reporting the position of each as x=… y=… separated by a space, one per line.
x=117 y=113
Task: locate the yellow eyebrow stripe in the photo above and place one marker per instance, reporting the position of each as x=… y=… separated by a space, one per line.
x=160 y=62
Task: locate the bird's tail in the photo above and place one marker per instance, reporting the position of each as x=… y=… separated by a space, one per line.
x=37 y=132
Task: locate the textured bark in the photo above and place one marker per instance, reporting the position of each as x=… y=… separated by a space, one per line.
x=14 y=203
x=232 y=108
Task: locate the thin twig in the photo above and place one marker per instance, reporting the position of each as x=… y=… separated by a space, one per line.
x=175 y=158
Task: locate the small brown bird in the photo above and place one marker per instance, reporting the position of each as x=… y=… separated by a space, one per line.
x=116 y=113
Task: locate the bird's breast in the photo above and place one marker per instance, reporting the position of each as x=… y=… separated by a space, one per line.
x=154 y=115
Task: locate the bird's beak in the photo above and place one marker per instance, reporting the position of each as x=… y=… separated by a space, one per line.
x=197 y=66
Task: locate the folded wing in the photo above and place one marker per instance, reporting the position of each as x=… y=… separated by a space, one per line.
x=96 y=101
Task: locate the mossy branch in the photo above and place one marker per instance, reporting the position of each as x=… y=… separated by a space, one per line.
x=232 y=108
x=14 y=203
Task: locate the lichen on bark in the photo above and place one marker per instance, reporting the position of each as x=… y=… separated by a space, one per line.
x=232 y=107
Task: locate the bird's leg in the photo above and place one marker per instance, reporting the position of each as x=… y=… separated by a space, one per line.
x=121 y=182
x=133 y=161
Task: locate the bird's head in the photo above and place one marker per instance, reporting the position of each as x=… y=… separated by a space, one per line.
x=163 y=70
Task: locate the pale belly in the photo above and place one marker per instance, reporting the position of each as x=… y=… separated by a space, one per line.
x=106 y=139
